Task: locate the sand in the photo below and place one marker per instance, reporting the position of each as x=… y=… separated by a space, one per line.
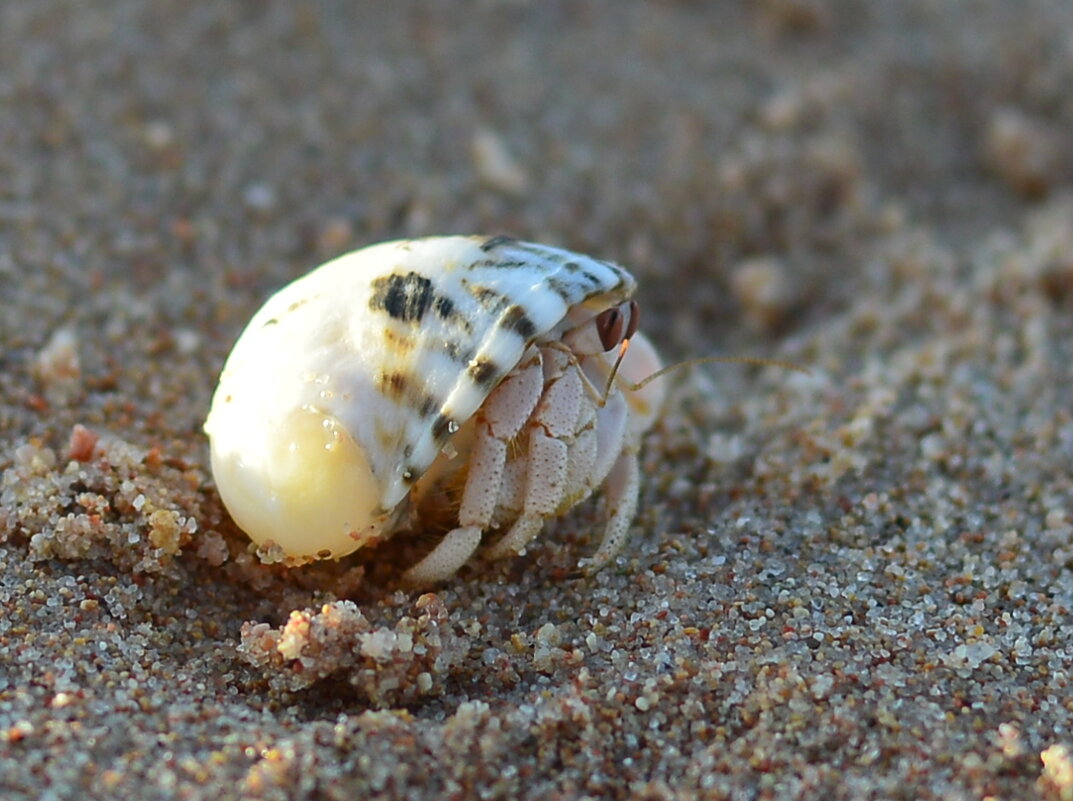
x=855 y=583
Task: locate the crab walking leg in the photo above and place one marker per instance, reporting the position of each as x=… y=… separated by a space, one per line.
x=552 y=427
x=582 y=460
x=612 y=423
x=505 y=414
x=450 y=553
x=623 y=488
x=547 y=480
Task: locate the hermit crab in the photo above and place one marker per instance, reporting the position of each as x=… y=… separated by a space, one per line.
x=479 y=386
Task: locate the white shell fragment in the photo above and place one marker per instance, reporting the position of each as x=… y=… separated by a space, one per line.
x=349 y=384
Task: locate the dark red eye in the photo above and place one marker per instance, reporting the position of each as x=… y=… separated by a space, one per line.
x=615 y=325
x=610 y=326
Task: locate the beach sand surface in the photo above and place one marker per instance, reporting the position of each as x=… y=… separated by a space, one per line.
x=853 y=583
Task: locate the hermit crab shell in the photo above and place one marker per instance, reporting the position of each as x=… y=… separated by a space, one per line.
x=348 y=383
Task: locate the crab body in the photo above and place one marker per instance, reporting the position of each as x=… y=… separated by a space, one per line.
x=364 y=395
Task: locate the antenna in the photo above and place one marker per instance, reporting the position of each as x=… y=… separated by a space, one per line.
x=690 y=363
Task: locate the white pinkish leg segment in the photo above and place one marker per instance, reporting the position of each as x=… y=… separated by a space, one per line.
x=450 y=553
x=513 y=401
x=623 y=486
x=610 y=435
x=581 y=479
x=553 y=426
x=504 y=415
x=544 y=489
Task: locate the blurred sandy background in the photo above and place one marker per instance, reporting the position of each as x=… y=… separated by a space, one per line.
x=854 y=584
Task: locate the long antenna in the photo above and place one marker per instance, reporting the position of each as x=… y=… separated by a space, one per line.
x=691 y=362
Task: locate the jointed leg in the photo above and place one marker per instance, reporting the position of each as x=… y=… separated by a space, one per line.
x=553 y=427
x=544 y=488
x=611 y=424
x=581 y=461
x=622 y=487
x=450 y=553
x=506 y=412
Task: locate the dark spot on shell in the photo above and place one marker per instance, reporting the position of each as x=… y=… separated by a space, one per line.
x=515 y=319
x=441 y=429
x=398 y=343
x=406 y=389
x=559 y=287
x=456 y=351
x=394 y=384
x=542 y=252
x=403 y=297
x=484 y=371
x=500 y=264
x=491 y=299
x=495 y=241
x=444 y=307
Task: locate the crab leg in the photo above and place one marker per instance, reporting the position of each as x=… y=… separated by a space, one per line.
x=623 y=486
x=582 y=460
x=553 y=426
x=611 y=433
x=504 y=416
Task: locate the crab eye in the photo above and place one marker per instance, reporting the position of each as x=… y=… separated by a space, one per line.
x=610 y=326
x=617 y=324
